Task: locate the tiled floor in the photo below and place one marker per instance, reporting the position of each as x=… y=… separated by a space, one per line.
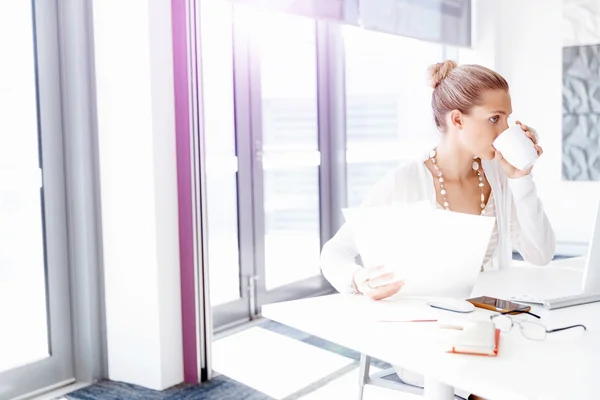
x=274 y=364
x=285 y=363
x=345 y=387
x=266 y=361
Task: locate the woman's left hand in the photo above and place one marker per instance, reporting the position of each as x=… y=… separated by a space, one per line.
x=511 y=171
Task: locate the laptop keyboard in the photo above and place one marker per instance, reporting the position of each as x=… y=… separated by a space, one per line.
x=559 y=301
x=550 y=299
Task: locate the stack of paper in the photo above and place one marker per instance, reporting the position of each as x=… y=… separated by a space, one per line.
x=436 y=252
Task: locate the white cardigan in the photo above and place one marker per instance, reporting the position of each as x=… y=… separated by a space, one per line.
x=522 y=222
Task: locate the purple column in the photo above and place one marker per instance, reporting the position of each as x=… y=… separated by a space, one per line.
x=184 y=183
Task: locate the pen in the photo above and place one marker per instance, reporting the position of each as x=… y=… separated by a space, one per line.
x=409 y=320
x=454 y=327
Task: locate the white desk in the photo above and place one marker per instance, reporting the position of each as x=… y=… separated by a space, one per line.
x=565 y=366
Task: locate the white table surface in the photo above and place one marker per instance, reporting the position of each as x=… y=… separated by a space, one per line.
x=564 y=366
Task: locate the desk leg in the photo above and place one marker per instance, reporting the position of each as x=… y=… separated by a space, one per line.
x=435 y=390
x=363 y=374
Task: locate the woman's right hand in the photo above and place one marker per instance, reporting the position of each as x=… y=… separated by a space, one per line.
x=373 y=282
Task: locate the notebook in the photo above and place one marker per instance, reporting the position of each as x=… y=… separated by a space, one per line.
x=477 y=338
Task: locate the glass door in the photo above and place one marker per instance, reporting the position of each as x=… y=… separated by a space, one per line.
x=286 y=156
x=260 y=146
x=229 y=279
x=35 y=339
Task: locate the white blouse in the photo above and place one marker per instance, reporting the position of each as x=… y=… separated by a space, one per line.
x=521 y=222
x=490 y=211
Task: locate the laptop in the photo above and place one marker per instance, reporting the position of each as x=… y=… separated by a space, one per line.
x=590 y=283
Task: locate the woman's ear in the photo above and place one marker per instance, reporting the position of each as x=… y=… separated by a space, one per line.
x=456 y=119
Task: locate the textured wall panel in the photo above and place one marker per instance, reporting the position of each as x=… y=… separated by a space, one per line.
x=581 y=90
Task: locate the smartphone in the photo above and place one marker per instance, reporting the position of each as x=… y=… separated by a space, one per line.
x=494 y=304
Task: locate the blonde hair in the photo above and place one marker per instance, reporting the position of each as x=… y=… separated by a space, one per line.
x=460 y=88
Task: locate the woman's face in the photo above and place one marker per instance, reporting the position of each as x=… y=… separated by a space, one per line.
x=485 y=122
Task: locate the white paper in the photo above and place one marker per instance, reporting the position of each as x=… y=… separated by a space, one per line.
x=435 y=252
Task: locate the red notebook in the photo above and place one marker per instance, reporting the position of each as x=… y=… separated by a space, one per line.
x=481 y=341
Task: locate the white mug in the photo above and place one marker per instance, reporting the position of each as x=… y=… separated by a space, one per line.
x=516 y=148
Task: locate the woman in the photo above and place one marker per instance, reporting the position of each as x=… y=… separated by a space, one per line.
x=464 y=173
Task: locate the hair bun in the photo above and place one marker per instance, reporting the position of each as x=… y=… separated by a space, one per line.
x=440 y=71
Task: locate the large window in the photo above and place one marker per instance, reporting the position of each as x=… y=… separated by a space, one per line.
x=24 y=337
x=36 y=350
x=388 y=104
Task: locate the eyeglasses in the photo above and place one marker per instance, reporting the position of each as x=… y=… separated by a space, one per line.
x=529 y=329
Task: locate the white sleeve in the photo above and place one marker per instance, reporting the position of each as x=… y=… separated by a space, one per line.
x=531 y=232
x=338 y=257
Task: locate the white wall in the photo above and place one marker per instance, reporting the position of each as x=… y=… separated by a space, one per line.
x=133 y=54
x=528 y=44
x=484 y=35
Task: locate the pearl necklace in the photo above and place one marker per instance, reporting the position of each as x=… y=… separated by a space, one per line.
x=443 y=192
